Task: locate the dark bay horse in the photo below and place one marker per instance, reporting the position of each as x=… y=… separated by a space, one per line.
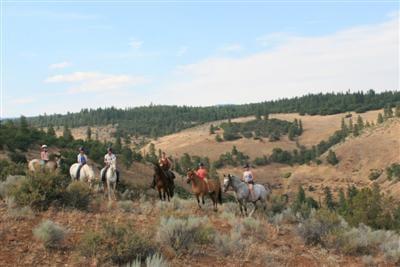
x=164 y=185
x=199 y=188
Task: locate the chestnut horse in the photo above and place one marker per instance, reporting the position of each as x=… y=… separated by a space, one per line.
x=199 y=188
x=165 y=186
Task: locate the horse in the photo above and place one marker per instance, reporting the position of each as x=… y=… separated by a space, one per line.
x=243 y=195
x=165 y=186
x=199 y=188
x=35 y=165
x=111 y=180
x=86 y=173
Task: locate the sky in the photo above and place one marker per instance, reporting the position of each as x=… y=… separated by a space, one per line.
x=62 y=56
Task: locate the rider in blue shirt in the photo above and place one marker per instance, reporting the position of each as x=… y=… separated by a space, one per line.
x=82 y=160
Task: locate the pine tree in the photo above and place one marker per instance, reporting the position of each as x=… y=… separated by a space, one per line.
x=360 y=123
x=387 y=112
x=118 y=145
x=331 y=158
x=343 y=206
x=126 y=156
x=330 y=204
x=127 y=140
x=291 y=133
x=356 y=130
x=88 y=133
x=351 y=125
x=300 y=127
x=380 y=119
x=343 y=127
x=67 y=133
x=266 y=116
x=212 y=130
x=397 y=111
x=51 y=131
x=234 y=150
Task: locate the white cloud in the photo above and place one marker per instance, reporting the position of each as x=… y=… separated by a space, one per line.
x=135 y=44
x=182 y=50
x=23 y=101
x=96 y=82
x=60 y=65
x=231 y=48
x=358 y=58
x=274 y=38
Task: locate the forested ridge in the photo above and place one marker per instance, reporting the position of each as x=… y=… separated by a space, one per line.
x=158 y=120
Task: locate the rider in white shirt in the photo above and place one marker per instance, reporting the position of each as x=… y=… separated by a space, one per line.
x=109 y=159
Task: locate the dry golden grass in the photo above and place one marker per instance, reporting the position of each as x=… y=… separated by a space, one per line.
x=198 y=141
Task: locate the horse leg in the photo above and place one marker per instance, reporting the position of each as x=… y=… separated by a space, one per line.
x=109 y=190
x=215 y=201
x=240 y=207
x=255 y=207
x=198 y=201
x=245 y=207
x=114 y=189
x=159 y=194
x=202 y=199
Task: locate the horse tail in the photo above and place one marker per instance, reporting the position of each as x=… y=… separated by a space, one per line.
x=220 y=195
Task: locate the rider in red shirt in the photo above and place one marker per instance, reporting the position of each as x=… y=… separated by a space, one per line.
x=202 y=173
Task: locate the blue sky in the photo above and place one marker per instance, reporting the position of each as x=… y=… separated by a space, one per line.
x=61 y=57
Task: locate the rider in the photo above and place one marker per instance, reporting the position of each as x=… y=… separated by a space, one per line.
x=202 y=173
x=165 y=164
x=249 y=178
x=44 y=155
x=82 y=160
x=109 y=159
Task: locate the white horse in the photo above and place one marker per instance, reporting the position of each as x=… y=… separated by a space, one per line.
x=86 y=173
x=260 y=193
x=35 y=165
x=111 y=180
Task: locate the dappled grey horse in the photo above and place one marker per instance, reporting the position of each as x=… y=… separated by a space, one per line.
x=243 y=195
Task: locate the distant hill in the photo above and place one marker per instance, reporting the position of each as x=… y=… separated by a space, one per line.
x=160 y=120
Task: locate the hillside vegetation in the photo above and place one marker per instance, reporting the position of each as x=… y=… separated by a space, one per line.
x=158 y=120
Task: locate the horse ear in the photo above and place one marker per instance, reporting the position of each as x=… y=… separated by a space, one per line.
x=224 y=175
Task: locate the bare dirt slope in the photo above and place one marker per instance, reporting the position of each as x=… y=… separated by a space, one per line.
x=198 y=141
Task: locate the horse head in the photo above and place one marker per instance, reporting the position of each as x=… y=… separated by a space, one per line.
x=190 y=176
x=227 y=181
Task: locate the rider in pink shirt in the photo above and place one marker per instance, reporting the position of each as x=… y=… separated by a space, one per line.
x=202 y=173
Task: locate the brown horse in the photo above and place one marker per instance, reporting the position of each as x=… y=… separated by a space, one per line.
x=200 y=189
x=163 y=183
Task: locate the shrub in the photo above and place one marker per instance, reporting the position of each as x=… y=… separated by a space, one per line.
x=229 y=243
x=218 y=138
x=253 y=227
x=314 y=229
x=50 y=233
x=183 y=234
x=393 y=171
x=18 y=213
x=261 y=161
x=77 y=195
x=331 y=158
x=18 y=157
x=287 y=216
x=391 y=249
x=286 y=174
x=40 y=190
x=374 y=174
x=10 y=168
x=90 y=244
x=117 y=242
x=125 y=206
x=10 y=183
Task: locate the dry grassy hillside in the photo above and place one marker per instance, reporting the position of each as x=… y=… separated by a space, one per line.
x=198 y=141
x=375 y=148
